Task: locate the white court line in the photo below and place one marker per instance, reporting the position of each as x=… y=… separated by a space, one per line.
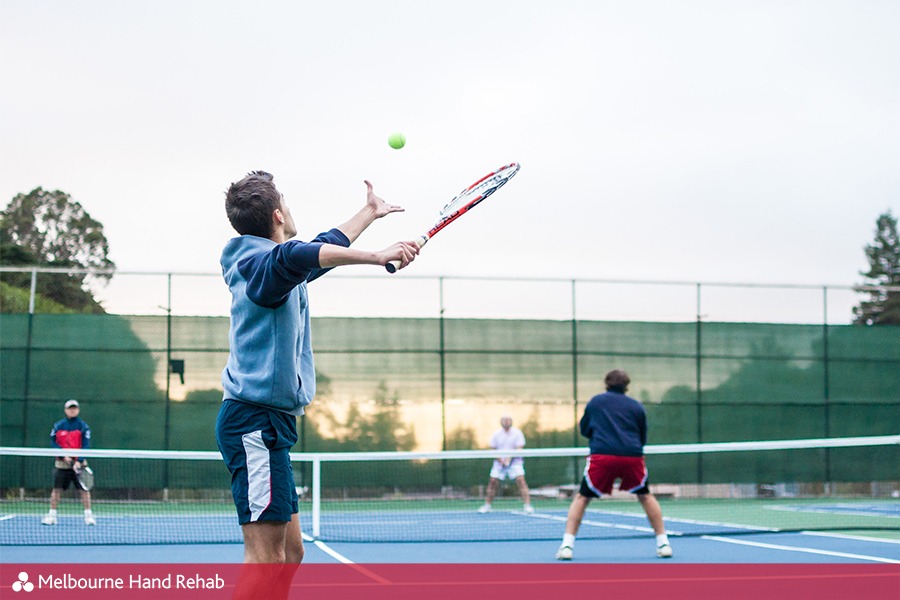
x=799 y=549
x=744 y=542
x=327 y=550
x=591 y=522
x=695 y=521
x=343 y=559
x=668 y=521
x=845 y=536
x=6 y=517
x=847 y=510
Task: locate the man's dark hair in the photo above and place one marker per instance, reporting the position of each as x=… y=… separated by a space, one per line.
x=250 y=202
x=617 y=380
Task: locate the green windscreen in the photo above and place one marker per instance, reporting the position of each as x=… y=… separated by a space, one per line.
x=431 y=384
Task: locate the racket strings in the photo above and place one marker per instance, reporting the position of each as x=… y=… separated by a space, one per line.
x=483 y=188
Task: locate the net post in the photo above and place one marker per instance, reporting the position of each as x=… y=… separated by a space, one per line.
x=316 y=497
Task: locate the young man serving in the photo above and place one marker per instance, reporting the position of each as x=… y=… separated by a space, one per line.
x=270 y=375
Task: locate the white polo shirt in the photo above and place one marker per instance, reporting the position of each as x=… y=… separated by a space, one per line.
x=508 y=440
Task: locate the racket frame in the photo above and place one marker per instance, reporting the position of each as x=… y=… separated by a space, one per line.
x=447 y=217
x=85 y=478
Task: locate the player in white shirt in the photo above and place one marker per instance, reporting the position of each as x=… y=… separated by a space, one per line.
x=507 y=467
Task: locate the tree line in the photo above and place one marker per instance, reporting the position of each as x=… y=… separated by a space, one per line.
x=46 y=228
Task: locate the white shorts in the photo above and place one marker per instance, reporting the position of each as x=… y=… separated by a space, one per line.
x=512 y=472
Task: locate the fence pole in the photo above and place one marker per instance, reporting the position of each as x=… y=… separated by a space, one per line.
x=574 y=370
x=699 y=383
x=28 y=344
x=33 y=292
x=166 y=436
x=26 y=392
x=575 y=418
x=443 y=380
x=826 y=391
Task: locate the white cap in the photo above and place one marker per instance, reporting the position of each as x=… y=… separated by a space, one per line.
x=71 y=403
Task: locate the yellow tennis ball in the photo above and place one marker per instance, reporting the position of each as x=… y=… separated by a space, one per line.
x=396 y=140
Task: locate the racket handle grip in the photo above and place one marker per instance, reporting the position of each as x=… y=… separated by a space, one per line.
x=394 y=265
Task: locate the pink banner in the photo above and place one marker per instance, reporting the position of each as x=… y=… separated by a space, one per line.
x=442 y=581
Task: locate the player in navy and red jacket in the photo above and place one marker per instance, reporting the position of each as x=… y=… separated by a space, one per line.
x=69 y=433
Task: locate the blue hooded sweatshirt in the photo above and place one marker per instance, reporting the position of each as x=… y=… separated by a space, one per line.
x=271 y=359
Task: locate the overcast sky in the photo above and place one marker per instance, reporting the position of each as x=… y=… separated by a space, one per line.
x=672 y=140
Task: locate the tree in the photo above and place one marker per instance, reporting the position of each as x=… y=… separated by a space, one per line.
x=883 y=254
x=462 y=438
x=536 y=437
x=380 y=430
x=48 y=228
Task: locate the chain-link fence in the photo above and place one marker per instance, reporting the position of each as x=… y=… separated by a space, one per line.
x=432 y=363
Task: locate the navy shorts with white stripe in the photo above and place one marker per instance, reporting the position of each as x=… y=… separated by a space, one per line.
x=256 y=443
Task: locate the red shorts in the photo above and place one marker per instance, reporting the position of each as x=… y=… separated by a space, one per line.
x=603 y=469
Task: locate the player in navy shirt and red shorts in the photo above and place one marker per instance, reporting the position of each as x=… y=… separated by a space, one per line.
x=616 y=425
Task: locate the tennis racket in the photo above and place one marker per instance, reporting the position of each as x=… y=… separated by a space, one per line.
x=84 y=475
x=463 y=203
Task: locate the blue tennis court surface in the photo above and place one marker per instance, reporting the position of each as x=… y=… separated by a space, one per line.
x=609 y=520
x=762 y=548
x=362 y=527
x=121 y=529
x=605 y=537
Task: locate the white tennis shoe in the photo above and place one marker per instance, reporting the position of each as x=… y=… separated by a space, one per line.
x=529 y=509
x=564 y=553
x=485 y=508
x=49 y=520
x=664 y=551
x=89 y=520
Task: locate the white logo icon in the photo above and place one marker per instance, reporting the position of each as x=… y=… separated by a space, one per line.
x=23 y=584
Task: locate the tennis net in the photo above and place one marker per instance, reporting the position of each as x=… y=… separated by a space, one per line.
x=146 y=497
